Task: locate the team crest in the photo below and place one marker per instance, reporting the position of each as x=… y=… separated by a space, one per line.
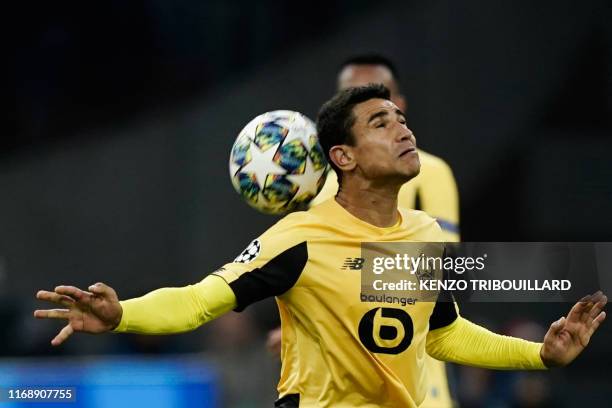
x=250 y=253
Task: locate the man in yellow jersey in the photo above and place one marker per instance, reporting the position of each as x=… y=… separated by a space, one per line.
x=334 y=350
x=433 y=190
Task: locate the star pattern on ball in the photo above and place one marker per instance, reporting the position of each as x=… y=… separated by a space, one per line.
x=299 y=133
x=234 y=168
x=308 y=180
x=276 y=163
x=262 y=164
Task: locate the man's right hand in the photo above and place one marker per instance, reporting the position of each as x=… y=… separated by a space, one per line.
x=96 y=311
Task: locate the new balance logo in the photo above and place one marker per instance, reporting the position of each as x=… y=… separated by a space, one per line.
x=355 y=264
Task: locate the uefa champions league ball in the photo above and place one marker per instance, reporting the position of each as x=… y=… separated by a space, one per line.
x=277 y=164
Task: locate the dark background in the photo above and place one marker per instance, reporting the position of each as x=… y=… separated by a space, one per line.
x=114 y=150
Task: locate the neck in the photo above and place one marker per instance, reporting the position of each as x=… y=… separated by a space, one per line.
x=376 y=205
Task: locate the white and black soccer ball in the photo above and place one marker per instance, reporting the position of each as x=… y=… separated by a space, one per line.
x=250 y=253
x=277 y=163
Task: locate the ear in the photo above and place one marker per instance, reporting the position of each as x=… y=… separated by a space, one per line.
x=343 y=158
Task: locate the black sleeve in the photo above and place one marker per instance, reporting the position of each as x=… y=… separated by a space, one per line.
x=444 y=312
x=272 y=279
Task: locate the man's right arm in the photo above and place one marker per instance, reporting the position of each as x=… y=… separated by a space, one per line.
x=163 y=311
x=269 y=266
x=177 y=310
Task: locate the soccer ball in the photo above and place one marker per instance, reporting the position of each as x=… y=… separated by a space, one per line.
x=277 y=164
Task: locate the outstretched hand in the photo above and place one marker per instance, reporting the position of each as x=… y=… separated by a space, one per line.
x=568 y=336
x=96 y=311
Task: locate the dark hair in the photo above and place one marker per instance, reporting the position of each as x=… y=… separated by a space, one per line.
x=371 y=59
x=335 y=119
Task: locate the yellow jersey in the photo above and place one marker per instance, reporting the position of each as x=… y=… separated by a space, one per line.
x=327 y=353
x=434 y=191
x=339 y=348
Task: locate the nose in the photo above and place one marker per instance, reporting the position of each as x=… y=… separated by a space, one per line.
x=405 y=134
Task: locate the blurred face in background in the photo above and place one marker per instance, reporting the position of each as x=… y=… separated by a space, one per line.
x=363 y=74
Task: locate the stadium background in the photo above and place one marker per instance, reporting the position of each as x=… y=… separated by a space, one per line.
x=113 y=162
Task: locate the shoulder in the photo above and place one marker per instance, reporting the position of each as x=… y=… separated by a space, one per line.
x=329 y=189
x=273 y=257
x=416 y=216
x=421 y=225
x=271 y=264
x=287 y=229
x=429 y=162
x=296 y=219
x=294 y=227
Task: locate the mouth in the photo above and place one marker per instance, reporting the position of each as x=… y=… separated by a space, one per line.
x=408 y=151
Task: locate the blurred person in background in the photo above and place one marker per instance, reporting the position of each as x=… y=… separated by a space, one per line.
x=433 y=190
x=335 y=359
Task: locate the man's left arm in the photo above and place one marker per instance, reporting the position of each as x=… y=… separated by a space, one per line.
x=461 y=341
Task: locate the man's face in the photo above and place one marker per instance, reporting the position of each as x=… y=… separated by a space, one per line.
x=364 y=74
x=384 y=146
